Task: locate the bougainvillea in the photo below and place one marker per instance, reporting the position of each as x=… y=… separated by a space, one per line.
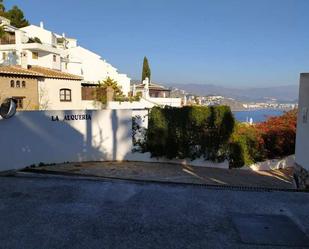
x=274 y=138
x=279 y=134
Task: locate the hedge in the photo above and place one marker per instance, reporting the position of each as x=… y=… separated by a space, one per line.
x=190 y=132
x=212 y=133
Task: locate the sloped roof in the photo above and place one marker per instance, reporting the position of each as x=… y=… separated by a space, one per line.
x=153 y=86
x=17 y=70
x=37 y=71
x=51 y=73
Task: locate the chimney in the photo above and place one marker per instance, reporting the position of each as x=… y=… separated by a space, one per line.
x=23 y=60
x=41 y=25
x=63 y=35
x=109 y=94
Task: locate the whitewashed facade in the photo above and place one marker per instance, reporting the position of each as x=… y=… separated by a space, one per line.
x=35 y=46
x=57 y=52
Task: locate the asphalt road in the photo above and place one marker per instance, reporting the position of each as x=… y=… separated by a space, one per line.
x=76 y=213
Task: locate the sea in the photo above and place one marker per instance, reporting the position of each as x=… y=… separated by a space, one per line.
x=257 y=116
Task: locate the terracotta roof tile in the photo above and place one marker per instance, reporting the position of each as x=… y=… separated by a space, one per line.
x=37 y=71
x=17 y=70
x=50 y=73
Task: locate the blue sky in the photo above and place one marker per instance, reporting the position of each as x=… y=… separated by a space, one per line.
x=224 y=42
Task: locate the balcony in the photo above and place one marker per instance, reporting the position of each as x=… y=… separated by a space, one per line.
x=8 y=39
x=41 y=47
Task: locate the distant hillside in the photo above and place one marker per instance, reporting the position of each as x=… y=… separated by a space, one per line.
x=281 y=93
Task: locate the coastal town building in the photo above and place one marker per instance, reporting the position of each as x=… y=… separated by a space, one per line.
x=36 y=46
x=64 y=75
x=21 y=84
x=150 y=95
x=155 y=90
x=38 y=88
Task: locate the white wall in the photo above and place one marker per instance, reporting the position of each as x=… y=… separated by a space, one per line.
x=32 y=137
x=93 y=69
x=44 y=35
x=49 y=94
x=73 y=67
x=82 y=62
x=142 y=104
x=302 y=135
x=145 y=103
x=45 y=59
x=36 y=136
x=174 y=102
x=91 y=105
x=124 y=82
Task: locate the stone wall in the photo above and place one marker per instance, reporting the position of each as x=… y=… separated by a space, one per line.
x=28 y=92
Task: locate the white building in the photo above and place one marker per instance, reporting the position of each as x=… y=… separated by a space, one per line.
x=40 y=88
x=81 y=62
x=150 y=95
x=34 y=45
x=37 y=47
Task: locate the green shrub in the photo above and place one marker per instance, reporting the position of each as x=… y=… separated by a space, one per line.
x=157 y=133
x=245 y=146
x=190 y=132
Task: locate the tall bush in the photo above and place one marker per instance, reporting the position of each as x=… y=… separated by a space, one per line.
x=274 y=138
x=190 y=132
x=157 y=133
x=246 y=146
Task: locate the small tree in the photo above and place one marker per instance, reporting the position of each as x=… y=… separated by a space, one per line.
x=2 y=8
x=16 y=15
x=146 y=69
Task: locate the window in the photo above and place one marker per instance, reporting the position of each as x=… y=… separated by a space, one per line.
x=35 y=55
x=54 y=58
x=18 y=84
x=12 y=83
x=66 y=65
x=23 y=84
x=65 y=95
x=19 y=102
x=4 y=56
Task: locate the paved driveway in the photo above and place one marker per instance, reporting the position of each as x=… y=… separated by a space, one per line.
x=76 y=213
x=165 y=172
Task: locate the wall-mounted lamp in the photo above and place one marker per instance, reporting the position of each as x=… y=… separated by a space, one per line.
x=8 y=108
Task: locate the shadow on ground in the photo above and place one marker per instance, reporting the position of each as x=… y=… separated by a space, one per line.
x=176 y=173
